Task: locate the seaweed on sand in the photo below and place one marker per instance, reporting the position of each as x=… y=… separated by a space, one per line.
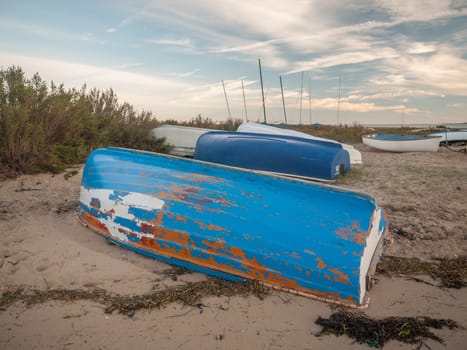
x=186 y=294
x=452 y=273
x=376 y=333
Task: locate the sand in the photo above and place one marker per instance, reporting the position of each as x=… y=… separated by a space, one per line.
x=43 y=247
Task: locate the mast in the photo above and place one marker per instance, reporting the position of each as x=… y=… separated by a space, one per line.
x=283 y=100
x=262 y=89
x=244 y=102
x=309 y=98
x=301 y=98
x=338 y=101
x=226 y=100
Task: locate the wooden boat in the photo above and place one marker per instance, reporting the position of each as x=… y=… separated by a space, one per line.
x=182 y=138
x=451 y=136
x=402 y=143
x=354 y=154
x=288 y=155
x=311 y=239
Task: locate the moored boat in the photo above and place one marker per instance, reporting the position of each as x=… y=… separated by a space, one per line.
x=402 y=143
x=314 y=240
x=182 y=138
x=282 y=154
x=354 y=155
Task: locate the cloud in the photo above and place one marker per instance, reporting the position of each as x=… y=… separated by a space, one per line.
x=442 y=71
x=44 y=31
x=389 y=50
x=141 y=89
x=418 y=48
x=188 y=74
x=171 y=42
x=420 y=10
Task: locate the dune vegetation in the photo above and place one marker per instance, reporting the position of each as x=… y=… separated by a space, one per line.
x=46 y=127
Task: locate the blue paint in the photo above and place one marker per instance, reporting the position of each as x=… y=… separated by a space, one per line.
x=275 y=153
x=392 y=137
x=302 y=231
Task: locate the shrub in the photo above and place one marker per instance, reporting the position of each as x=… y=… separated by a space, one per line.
x=50 y=128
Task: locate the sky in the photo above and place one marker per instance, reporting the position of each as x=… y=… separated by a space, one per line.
x=367 y=61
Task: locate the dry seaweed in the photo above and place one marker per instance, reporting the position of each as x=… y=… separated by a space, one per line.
x=186 y=294
x=376 y=333
x=452 y=273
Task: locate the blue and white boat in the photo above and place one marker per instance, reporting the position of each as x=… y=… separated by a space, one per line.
x=311 y=239
x=257 y=128
x=281 y=154
x=402 y=143
x=451 y=136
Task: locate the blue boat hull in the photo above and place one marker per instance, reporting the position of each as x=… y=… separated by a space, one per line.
x=280 y=154
x=314 y=240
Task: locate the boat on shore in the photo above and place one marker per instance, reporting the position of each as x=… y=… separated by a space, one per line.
x=311 y=239
x=182 y=138
x=354 y=155
x=280 y=154
x=451 y=136
x=402 y=143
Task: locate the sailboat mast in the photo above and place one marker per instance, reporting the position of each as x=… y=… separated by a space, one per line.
x=309 y=98
x=283 y=100
x=226 y=100
x=301 y=98
x=262 y=89
x=244 y=102
x=338 y=101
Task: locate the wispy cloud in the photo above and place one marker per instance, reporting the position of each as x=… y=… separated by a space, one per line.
x=391 y=53
x=171 y=42
x=188 y=74
x=45 y=31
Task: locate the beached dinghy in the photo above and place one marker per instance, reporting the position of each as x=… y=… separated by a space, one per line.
x=315 y=240
x=402 y=143
x=182 y=138
x=451 y=137
x=354 y=154
x=281 y=154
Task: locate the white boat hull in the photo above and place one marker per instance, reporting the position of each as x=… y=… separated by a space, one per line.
x=425 y=144
x=182 y=138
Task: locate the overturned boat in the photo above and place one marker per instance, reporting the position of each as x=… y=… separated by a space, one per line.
x=311 y=239
x=182 y=138
x=402 y=143
x=354 y=155
x=281 y=154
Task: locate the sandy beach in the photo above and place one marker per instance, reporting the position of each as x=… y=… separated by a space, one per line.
x=43 y=247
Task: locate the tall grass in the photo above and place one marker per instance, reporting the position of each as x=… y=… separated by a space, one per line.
x=230 y=124
x=343 y=133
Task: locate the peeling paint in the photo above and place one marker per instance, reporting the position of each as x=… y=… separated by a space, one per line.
x=221 y=222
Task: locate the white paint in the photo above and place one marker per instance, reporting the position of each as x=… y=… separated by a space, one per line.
x=183 y=138
x=427 y=144
x=120 y=207
x=371 y=243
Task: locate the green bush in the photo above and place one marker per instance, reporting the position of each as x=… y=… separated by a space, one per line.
x=49 y=128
